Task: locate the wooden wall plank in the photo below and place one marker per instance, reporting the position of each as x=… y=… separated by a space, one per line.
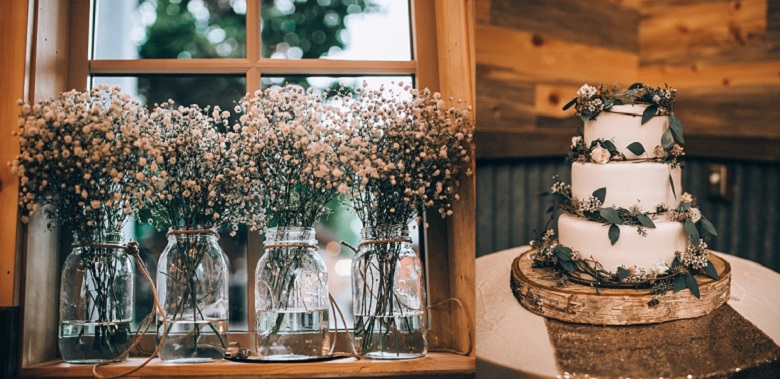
x=720 y=32
x=550 y=99
x=736 y=111
x=702 y=75
x=502 y=103
x=530 y=57
x=608 y=25
x=483 y=11
x=13 y=47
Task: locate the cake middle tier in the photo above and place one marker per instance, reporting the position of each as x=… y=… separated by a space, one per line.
x=591 y=239
x=646 y=184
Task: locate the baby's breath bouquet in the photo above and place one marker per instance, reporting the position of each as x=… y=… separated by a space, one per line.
x=79 y=153
x=289 y=139
x=409 y=149
x=192 y=184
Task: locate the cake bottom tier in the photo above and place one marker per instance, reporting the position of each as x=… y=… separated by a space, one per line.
x=591 y=239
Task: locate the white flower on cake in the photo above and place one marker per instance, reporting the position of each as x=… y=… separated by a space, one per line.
x=660 y=152
x=599 y=154
x=659 y=267
x=575 y=141
x=695 y=214
x=656 y=99
x=586 y=91
x=686 y=198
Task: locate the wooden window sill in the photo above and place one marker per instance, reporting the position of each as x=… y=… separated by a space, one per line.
x=442 y=365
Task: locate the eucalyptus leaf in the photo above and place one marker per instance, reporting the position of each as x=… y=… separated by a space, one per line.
x=667 y=140
x=710 y=270
x=569 y=104
x=586 y=115
x=636 y=148
x=607 y=144
x=676 y=263
x=692 y=285
x=635 y=86
x=649 y=113
x=677 y=129
x=707 y=225
x=690 y=228
x=685 y=206
x=671 y=183
x=600 y=193
x=622 y=273
x=678 y=283
x=551 y=209
x=614 y=234
x=610 y=215
x=568 y=265
x=645 y=221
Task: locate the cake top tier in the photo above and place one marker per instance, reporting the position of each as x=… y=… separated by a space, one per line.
x=637 y=123
x=591 y=101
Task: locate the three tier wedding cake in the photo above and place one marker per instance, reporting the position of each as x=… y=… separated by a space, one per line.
x=625 y=220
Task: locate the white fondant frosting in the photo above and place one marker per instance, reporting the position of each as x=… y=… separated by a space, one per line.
x=628 y=183
x=591 y=239
x=623 y=126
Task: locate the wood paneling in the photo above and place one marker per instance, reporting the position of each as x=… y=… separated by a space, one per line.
x=713 y=76
x=532 y=57
x=607 y=24
x=723 y=56
x=712 y=32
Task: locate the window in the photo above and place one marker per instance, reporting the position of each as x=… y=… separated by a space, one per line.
x=62 y=36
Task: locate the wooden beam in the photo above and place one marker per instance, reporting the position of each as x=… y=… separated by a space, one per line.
x=13 y=47
x=455 y=36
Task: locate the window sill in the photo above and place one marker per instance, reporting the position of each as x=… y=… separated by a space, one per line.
x=442 y=365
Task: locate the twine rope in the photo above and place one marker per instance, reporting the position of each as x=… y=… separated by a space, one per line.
x=132 y=250
x=277 y=245
x=191 y=231
x=455 y=300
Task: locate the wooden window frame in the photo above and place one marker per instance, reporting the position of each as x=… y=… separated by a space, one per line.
x=56 y=59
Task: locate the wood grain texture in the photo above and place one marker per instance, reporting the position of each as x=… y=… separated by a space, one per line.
x=455 y=36
x=708 y=32
x=532 y=57
x=13 y=45
x=503 y=103
x=608 y=25
x=612 y=306
x=735 y=111
x=438 y=365
x=713 y=76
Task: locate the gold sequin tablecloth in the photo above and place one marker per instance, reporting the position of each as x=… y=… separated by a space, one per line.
x=733 y=340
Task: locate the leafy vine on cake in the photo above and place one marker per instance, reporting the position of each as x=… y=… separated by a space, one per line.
x=661 y=278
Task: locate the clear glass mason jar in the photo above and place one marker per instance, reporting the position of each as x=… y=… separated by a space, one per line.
x=388 y=296
x=96 y=301
x=192 y=285
x=292 y=306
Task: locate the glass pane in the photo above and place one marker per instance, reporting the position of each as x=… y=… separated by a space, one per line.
x=336 y=29
x=133 y=29
x=202 y=90
x=342 y=224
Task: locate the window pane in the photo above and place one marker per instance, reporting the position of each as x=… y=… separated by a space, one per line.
x=342 y=224
x=336 y=29
x=132 y=29
x=202 y=90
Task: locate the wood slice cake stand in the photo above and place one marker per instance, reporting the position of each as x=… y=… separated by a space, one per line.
x=537 y=290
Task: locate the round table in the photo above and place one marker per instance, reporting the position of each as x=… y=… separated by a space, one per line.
x=513 y=342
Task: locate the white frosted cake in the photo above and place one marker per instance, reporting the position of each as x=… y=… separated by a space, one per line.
x=625 y=217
